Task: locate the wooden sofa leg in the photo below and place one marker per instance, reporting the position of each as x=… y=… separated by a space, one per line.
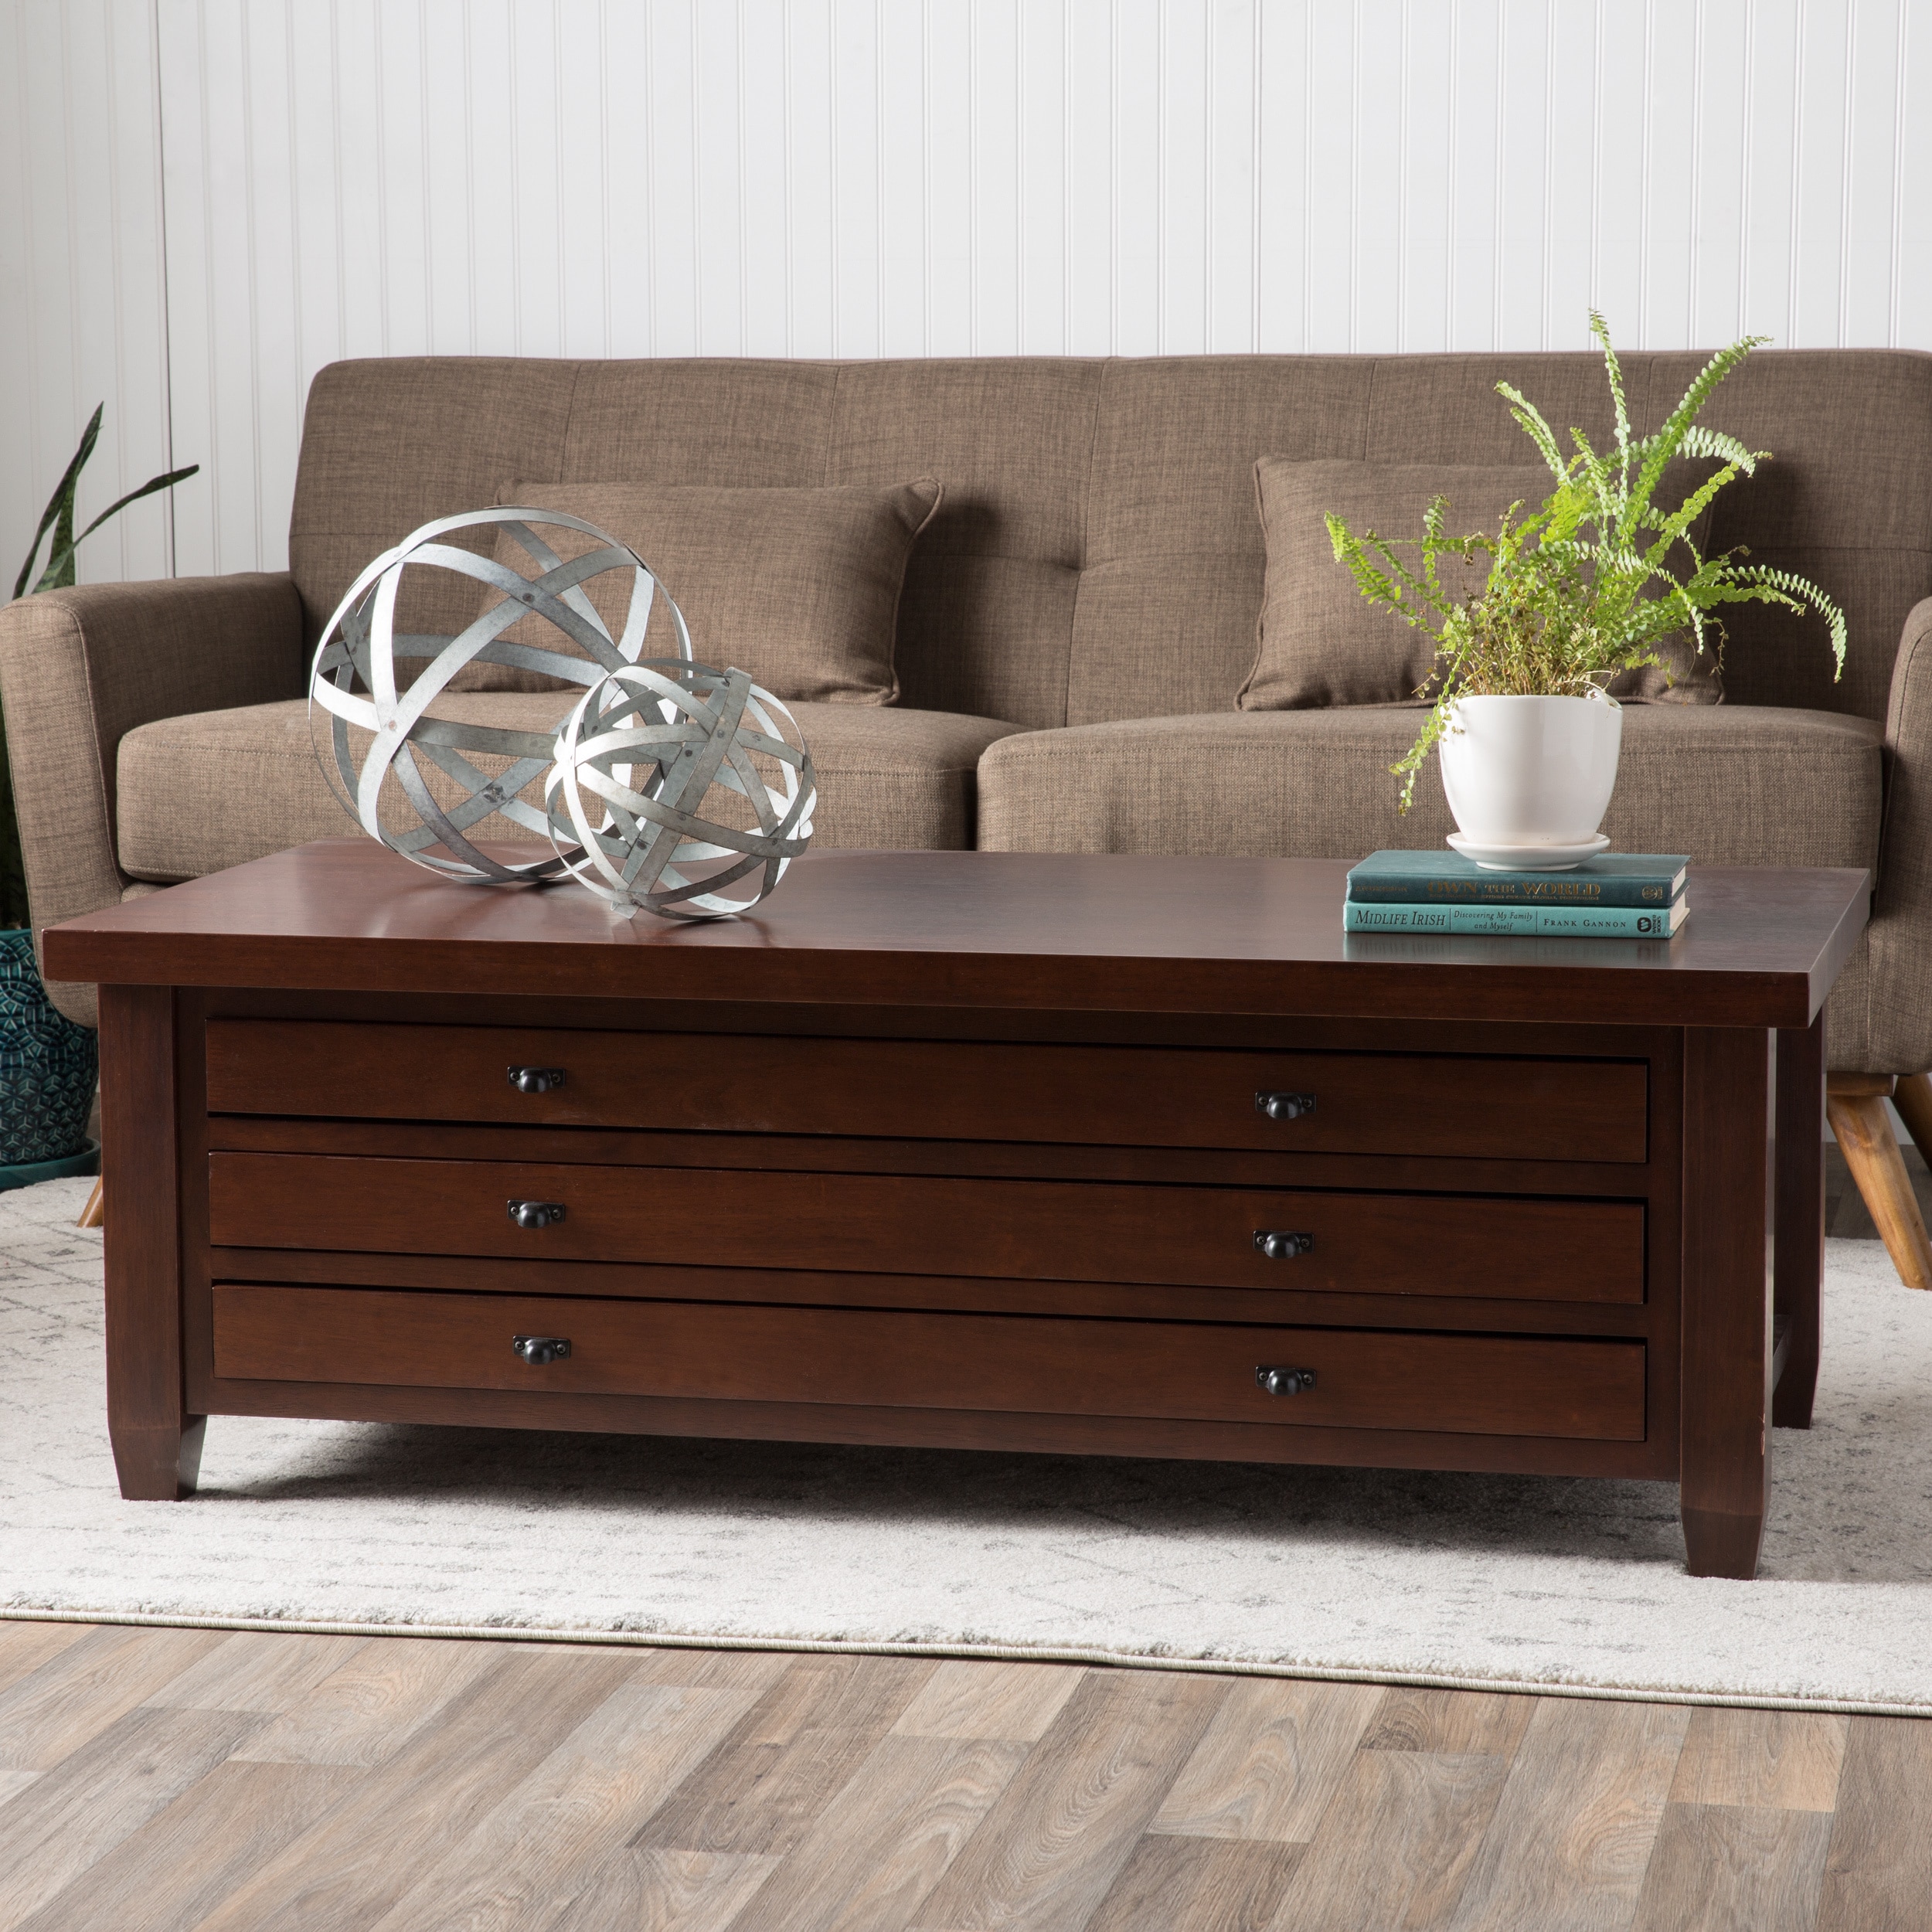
x=93 y=1214
x=1854 y=1105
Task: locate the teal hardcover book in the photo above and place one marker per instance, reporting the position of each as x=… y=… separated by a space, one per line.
x=1447 y=878
x=1543 y=922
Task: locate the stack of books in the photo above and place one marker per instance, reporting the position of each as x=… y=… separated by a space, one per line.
x=1614 y=895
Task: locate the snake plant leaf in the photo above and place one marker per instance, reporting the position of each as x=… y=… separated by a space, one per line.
x=59 y=573
x=60 y=508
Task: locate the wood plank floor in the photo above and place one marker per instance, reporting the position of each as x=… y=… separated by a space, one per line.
x=161 y=1780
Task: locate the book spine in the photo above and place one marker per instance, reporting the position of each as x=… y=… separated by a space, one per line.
x=1597 y=922
x=1418 y=889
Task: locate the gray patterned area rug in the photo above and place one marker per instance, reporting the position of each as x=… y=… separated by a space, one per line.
x=1476 y=1580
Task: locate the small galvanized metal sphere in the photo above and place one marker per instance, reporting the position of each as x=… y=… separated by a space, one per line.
x=654 y=765
x=354 y=684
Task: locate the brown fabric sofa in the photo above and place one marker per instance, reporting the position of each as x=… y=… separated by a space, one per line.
x=1075 y=624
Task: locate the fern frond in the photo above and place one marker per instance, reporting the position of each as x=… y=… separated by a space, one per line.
x=1614 y=369
x=1699 y=441
x=1796 y=590
x=1665 y=443
x=1538 y=431
x=1383 y=577
x=1677 y=524
x=1432 y=540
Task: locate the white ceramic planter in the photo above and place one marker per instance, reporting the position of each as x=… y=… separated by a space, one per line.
x=1531 y=771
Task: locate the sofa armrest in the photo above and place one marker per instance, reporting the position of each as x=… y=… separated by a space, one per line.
x=1901 y=935
x=81 y=668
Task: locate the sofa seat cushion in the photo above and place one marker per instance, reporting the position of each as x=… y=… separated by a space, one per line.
x=1730 y=784
x=199 y=792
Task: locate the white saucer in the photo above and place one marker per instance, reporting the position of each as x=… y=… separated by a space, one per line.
x=1530 y=858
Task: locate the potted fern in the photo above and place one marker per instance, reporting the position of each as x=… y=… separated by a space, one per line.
x=1588 y=584
x=48 y=1065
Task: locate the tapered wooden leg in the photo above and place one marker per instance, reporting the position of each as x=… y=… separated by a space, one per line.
x=91 y=1215
x=1726 y=1468
x=1854 y=1105
x=1798 y=1243
x=157 y=1443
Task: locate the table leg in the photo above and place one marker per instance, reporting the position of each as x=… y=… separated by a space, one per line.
x=1725 y=1473
x=1798 y=1241
x=157 y=1443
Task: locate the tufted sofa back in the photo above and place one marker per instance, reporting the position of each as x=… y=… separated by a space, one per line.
x=1097 y=555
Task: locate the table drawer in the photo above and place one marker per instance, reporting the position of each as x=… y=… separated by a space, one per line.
x=1042 y=1230
x=1484 y=1384
x=1476 y=1107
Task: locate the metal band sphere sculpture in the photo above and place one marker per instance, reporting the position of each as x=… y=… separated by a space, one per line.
x=648 y=764
x=354 y=682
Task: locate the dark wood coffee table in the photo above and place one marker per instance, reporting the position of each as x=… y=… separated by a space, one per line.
x=1126 y=1156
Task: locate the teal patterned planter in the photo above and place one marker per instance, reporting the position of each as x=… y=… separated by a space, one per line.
x=48 y=1069
x=87 y=1162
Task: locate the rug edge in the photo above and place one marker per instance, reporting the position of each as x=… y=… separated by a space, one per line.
x=990 y=1653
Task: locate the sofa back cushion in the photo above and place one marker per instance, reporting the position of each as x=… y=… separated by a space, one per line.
x=1097 y=554
x=798 y=587
x=1320 y=641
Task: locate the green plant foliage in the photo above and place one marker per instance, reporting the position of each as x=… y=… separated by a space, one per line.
x=58 y=575
x=59 y=515
x=1591 y=582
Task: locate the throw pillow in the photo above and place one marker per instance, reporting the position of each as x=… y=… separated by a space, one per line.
x=1320 y=642
x=798 y=587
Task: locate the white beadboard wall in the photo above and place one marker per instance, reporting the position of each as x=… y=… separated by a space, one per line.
x=81 y=281
x=203 y=201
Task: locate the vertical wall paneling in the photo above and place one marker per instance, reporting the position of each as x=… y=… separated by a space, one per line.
x=1527 y=215
x=1233 y=116
x=203 y=201
x=585 y=243
x=1570 y=175
x=1040 y=67
x=810 y=243
x=82 y=318
x=1421 y=237
x=857 y=164
x=1875 y=113
x=1475 y=174
x=1912 y=205
x=1822 y=136
x=1136 y=138
x=764 y=209
x=1186 y=170
x=1088 y=90
x=1334 y=241
x=719 y=179
x=948 y=165
x=1674 y=39
x=1377 y=113
x=1282 y=171
x=1718 y=178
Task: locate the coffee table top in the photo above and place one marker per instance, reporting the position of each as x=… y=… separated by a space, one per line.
x=1047 y=930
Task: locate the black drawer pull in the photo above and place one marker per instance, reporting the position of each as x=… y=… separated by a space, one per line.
x=1285 y=1107
x=1285 y=1382
x=1279 y=1244
x=538 y=1350
x=536 y=1214
x=537 y=1080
